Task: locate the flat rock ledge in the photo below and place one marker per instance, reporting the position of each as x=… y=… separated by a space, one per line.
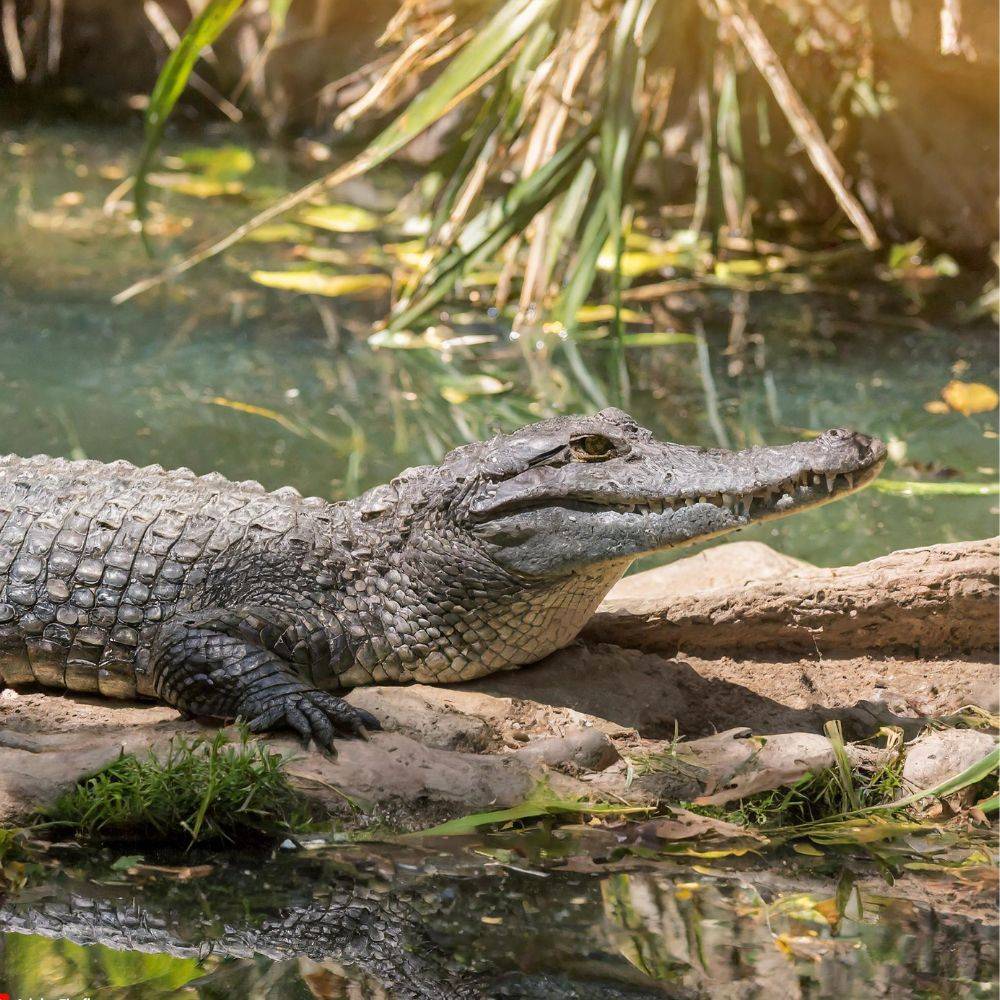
x=736 y=642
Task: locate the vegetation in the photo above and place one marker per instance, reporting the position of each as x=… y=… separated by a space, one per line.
x=555 y=107
x=199 y=790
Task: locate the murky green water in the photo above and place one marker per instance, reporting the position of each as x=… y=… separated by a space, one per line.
x=218 y=373
x=438 y=924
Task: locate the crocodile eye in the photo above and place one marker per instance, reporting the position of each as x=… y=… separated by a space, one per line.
x=591 y=448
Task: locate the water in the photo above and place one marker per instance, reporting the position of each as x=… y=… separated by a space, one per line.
x=436 y=924
x=218 y=373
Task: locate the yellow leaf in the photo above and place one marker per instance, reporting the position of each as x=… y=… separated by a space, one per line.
x=970 y=397
x=606 y=311
x=279 y=232
x=195 y=186
x=323 y=283
x=936 y=406
x=460 y=390
x=805 y=848
x=340 y=218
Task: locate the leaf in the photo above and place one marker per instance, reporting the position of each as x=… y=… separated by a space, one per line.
x=605 y=311
x=970 y=397
x=904 y=488
x=937 y=406
x=170 y=84
x=398 y=340
x=341 y=218
x=313 y=282
x=280 y=232
x=223 y=163
x=457 y=391
x=195 y=186
x=658 y=338
x=127 y=861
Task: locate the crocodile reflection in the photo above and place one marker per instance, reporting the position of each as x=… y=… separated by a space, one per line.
x=401 y=932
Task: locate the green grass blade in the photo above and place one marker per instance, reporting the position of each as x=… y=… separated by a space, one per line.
x=972 y=775
x=170 y=84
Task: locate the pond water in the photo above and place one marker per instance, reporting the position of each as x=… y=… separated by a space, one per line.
x=442 y=923
x=217 y=373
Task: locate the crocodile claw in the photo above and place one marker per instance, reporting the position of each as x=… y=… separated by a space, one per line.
x=314 y=715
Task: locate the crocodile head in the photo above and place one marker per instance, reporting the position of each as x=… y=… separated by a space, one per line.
x=575 y=492
x=500 y=555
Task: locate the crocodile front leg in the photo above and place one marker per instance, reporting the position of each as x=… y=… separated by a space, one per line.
x=230 y=664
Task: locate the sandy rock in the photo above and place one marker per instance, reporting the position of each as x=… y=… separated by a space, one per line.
x=937 y=600
x=584 y=749
x=729 y=564
x=935 y=756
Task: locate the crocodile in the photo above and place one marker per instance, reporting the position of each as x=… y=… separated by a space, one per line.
x=227 y=601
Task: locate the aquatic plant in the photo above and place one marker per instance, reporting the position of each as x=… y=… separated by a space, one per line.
x=558 y=104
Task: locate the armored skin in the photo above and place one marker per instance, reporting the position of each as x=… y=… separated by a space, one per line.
x=227 y=601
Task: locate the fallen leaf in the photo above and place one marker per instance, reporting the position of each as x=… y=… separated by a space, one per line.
x=314 y=282
x=970 y=397
x=341 y=218
x=459 y=390
x=937 y=406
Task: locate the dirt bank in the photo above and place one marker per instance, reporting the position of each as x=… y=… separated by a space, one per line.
x=570 y=719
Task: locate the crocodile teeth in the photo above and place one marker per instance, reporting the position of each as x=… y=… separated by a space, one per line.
x=702 y=499
x=728 y=500
x=747 y=503
x=689 y=501
x=849 y=479
x=830 y=481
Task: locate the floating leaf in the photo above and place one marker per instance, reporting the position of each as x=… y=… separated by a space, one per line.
x=941 y=489
x=457 y=391
x=195 y=185
x=398 y=340
x=341 y=218
x=937 y=406
x=657 y=338
x=605 y=311
x=638 y=262
x=970 y=397
x=224 y=163
x=280 y=232
x=313 y=282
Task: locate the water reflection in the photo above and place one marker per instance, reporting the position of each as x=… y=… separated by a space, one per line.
x=392 y=924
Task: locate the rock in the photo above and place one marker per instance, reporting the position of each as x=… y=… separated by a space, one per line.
x=936 y=756
x=729 y=564
x=937 y=600
x=584 y=749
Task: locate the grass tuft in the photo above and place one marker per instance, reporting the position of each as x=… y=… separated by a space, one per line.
x=200 y=790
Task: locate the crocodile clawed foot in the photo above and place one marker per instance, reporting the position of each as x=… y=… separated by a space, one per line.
x=315 y=715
